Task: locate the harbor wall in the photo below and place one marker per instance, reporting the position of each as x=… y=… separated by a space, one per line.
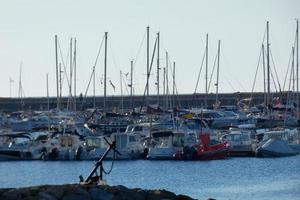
x=115 y=102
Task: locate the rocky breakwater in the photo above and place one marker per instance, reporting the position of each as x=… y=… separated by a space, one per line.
x=90 y=192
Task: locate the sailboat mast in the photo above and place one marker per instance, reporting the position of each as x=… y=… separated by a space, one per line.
x=206 y=71
x=47 y=85
x=268 y=66
x=21 y=88
x=167 y=81
x=218 y=68
x=157 y=82
x=20 y=81
x=148 y=73
x=71 y=74
x=94 y=88
x=173 y=84
x=131 y=82
x=105 y=66
x=75 y=74
x=297 y=65
x=121 y=87
x=60 y=83
x=164 y=83
x=264 y=72
x=293 y=71
x=57 y=84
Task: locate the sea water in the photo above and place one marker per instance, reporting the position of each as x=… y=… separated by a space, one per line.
x=232 y=178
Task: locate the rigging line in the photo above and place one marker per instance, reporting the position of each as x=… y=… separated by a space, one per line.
x=288 y=95
x=175 y=86
x=113 y=55
x=278 y=82
x=64 y=64
x=85 y=94
x=265 y=33
x=288 y=68
x=199 y=73
x=125 y=83
x=240 y=84
x=273 y=79
x=140 y=48
x=229 y=83
x=93 y=72
x=232 y=77
x=211 y=75
x=148 y=75
x=99 y=50
x=253 y=85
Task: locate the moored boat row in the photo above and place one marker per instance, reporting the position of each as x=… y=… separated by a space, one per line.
x=196 y=134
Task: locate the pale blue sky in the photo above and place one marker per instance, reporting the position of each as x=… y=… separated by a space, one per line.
x=27 y=29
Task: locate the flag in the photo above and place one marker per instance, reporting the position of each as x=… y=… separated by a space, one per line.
x=112 y=85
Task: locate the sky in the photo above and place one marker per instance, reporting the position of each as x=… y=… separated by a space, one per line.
x=28 y=27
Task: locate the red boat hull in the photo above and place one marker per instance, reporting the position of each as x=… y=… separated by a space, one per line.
x=211 y=152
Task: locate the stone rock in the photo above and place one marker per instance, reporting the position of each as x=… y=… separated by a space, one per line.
x=100 y=194
x=128 y=194
x=164 y=194
x=76 y=190
x=46 y=196
x=183 y=197
x=55 y=191
x=89 y=192
x=75 y=197
x=11 y=195
x=30 y=198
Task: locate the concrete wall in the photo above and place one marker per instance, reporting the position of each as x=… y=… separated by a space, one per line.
x=183 y=101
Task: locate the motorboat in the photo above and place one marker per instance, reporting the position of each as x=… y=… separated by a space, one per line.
x=275 y=148
x=129 y=145
x=240 y=142
x=208 y=151
x=165 y=144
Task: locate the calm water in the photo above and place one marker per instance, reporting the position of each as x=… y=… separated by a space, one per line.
x=234 y=178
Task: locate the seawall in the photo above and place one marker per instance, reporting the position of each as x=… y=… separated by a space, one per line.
x=117 y=102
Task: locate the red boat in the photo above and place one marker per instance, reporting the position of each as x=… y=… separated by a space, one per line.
x=206 y=151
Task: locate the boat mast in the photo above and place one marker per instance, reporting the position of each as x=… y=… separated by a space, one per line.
x=164 y=83
x=105 y=66
x=47 y=85
x=264 y=72
x=121 y=87
x=173 y=84
x=60 y=83
x=157 y=83
x=71 y=74
x=293 y=70
x=167 y=81
x=206 y=72
x=75 y=74
x=131 y=86
x=297 y=66
x=94 y=88
x=11 y=81
x=148 y=73
x=20 y=87
x=218 y=67
x=57 y=85
x=268 y=67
